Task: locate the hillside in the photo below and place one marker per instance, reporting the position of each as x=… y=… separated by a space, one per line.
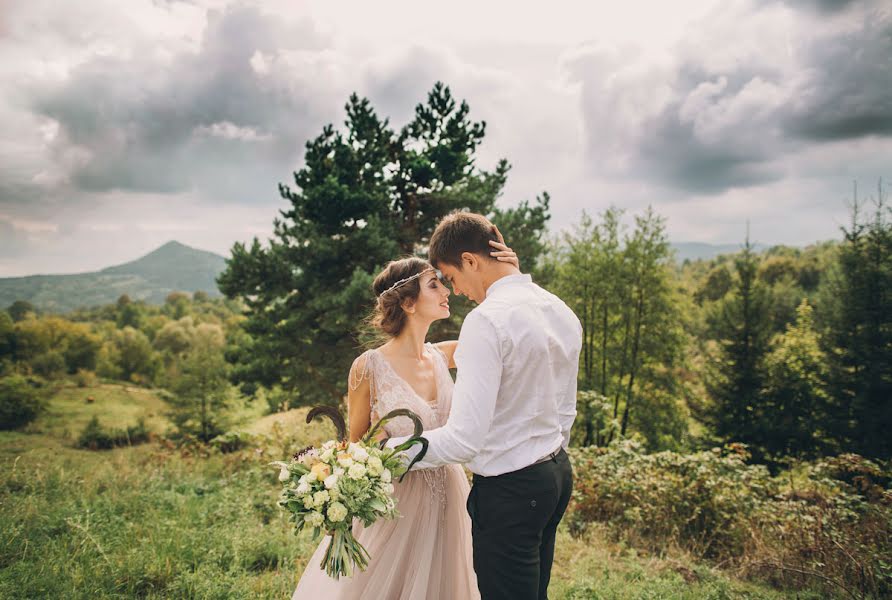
x=700 y=250
x=173 y=266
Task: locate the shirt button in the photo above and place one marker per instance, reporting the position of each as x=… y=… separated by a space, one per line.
x=533 y=504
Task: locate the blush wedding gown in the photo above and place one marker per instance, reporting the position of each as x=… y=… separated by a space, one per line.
x=425 y=553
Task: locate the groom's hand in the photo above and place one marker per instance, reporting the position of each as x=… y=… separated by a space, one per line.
x=504 y=253
x=406 y=455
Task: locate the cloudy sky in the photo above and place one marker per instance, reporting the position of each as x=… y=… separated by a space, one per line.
x=127 y=124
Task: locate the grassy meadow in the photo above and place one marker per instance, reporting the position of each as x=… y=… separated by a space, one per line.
x=156 y=521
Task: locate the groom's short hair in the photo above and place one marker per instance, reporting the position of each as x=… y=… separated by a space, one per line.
x=461 y=232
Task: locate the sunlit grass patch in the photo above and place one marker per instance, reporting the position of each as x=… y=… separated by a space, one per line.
x=116 y=406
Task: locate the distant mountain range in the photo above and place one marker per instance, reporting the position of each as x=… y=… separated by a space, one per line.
x=177 y=267
x=697 y=250
x=172 y=267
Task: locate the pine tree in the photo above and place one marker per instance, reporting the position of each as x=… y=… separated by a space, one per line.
x=364 y=196
x=859 y=318
x=741 y=325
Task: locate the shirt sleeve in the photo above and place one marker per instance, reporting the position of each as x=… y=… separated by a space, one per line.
x=567 y=404
x=479 y=362
x=567 y=411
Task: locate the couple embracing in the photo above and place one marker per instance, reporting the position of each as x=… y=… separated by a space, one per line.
x=507 y=418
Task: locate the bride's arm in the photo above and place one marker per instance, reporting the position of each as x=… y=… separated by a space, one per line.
x=359 y=406
x=448 y=349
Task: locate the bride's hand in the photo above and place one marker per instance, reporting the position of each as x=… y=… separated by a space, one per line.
x=504 y=253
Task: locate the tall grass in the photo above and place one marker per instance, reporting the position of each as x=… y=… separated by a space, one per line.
x=162 y=521
x=145 y=523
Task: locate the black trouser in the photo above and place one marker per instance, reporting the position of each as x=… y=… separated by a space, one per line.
x=514 y=518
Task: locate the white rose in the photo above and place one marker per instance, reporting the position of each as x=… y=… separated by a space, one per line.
x=375 y=466
x=327 y=455
x=284 y=474
x=339 y=471
x=311 y=476
x=359 y=453
x=345 y=460
x=303 y=487
x=337 y=512
x=331 y=481
x=386 y=476
x=314 y=519
x=320 y=498
x=357 y=471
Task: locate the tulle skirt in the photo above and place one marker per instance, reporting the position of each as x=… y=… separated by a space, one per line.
x=425 y=554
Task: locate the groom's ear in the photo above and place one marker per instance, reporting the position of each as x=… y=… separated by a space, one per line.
x=469 y=260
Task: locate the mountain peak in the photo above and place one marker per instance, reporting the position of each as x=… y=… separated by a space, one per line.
x=174 y=266
x=166 y=257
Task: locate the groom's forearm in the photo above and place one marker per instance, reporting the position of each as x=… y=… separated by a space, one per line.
x=443 y=449
x=473 y=400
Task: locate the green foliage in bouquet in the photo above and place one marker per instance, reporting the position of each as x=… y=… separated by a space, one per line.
x=326 y=488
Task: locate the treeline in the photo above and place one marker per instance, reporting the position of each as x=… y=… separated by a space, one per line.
x=179 y=346
x=788 y=351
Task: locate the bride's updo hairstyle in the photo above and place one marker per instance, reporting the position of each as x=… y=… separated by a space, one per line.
x=389 y=317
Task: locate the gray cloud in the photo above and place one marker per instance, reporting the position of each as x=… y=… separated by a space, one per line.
x=705 y=124
x=156 y=123
x=850 y=93
x=13 y=241
x=822 y=6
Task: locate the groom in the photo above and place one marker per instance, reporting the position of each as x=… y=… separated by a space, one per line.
x=512 y=408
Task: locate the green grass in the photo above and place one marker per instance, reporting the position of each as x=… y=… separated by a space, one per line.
x=154 y=522
x=593 y=568
x=116 y=406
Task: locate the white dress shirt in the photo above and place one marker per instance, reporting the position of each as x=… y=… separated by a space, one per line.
x=515 y=393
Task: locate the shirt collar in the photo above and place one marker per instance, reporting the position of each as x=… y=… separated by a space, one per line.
x=508 y=279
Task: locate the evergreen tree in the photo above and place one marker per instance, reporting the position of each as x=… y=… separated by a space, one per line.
x=859 y=316
x=364 y=196
x=741 y=325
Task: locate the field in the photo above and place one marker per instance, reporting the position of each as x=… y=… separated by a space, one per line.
x=153 y=521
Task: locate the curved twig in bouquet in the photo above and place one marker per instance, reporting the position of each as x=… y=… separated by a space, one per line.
x=341 y=426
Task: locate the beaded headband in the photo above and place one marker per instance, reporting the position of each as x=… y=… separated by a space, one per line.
x=411 y=278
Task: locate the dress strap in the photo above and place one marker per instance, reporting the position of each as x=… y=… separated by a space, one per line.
x=437 y=352
x=364 y=369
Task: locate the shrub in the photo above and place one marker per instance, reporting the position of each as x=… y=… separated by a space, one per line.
x=277 y=399
x=50 y=364
x=232 y=441
x=701 y=501
x=84 y=378
x=834 y=530
x=20 y=402
x=95 y=437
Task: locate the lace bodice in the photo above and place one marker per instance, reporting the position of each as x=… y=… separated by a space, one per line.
x=389 y=391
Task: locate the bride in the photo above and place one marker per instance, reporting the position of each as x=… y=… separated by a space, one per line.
x=425 y=554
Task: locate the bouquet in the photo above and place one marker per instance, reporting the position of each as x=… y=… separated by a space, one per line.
x=326 y=488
